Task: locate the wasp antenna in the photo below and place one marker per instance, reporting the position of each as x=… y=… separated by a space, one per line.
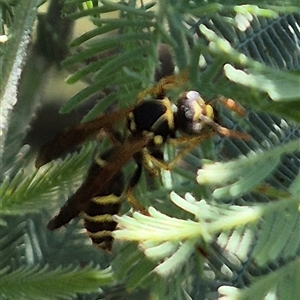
x=232 y=105
x=233 y=134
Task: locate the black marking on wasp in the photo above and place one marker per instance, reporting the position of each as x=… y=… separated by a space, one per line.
x=150 y=124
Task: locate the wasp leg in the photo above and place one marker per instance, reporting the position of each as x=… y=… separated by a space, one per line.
x=190 y=141
x=150 y=156
x=132 y=183
x=193 y=141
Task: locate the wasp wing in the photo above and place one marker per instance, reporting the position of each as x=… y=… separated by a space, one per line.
x=76 y=135
x=96 y=184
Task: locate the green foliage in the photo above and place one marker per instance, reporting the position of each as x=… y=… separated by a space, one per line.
x=13 y=52
x=228 y=225
x=135 y=42
x=42 y=186
x=252 y=170
x=34 y=281
x=281 y=283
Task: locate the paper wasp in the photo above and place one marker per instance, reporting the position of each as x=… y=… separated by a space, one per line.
x=150 y=124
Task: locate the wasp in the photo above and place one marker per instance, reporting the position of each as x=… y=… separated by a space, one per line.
x=149 y=125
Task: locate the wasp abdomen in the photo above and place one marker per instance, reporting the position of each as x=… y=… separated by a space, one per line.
x=98 y=219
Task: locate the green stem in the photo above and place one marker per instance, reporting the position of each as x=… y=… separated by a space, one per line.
x=13 y=58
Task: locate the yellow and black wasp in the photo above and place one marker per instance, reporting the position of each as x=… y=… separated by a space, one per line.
x=150 y=124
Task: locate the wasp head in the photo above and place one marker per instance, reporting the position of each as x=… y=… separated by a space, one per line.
x=193 y=115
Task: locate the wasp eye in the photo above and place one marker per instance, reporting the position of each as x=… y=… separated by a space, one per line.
x=193 y=95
